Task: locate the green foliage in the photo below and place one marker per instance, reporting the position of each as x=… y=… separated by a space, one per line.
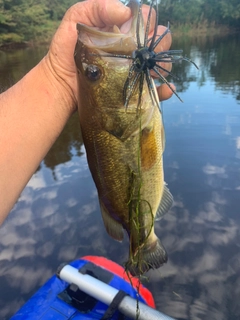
x=197 y=12
x=230 y=10
x=25 y=20
x=58 y=8
x=11 y=37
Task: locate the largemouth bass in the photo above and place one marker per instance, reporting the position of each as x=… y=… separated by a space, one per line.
x=123 y=134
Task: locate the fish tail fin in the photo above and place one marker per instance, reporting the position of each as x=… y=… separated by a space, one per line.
x=150 y=256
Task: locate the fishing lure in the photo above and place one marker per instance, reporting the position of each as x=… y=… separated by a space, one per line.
x=144 y=59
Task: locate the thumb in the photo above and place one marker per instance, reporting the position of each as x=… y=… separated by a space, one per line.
x=99 y=13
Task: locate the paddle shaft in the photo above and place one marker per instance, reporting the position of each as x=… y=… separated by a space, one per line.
x=105 y=293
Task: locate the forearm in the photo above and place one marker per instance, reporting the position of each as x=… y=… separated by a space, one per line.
x=32 y=114
x=35 y=110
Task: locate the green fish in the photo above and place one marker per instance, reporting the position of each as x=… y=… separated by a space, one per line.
x=123 y=134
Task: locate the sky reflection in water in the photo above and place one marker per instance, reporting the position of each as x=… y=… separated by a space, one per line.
x=57 y=217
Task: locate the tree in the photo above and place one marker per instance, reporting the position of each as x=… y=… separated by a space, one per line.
x=24 y=20
x=230 y=11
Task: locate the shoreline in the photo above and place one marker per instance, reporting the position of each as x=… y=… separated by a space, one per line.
x=202 y=29
x=22 y=45
x=179 y=31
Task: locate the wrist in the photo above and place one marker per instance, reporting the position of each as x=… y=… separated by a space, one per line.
x=33 y=113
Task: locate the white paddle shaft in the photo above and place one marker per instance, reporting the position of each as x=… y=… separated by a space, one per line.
x=105 y=293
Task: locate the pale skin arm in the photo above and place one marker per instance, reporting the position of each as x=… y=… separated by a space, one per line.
x=35 y=110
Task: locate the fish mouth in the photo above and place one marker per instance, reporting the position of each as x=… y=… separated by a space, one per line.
x=113 y=40
x=109 y=42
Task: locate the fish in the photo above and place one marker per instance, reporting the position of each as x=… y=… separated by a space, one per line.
x=123 y=133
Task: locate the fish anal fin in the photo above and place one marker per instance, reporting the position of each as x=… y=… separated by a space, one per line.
x=113 y=227
x=165 y=203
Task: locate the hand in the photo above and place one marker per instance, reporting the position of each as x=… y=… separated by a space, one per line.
x=35 y=110
x=163 y=90
x=96 y=13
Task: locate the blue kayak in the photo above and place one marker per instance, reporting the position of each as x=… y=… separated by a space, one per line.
x=90 y=288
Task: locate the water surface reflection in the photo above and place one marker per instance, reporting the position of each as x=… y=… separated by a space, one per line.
x=57 y=217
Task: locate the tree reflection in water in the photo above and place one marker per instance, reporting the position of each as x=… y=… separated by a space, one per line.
x=57 y=217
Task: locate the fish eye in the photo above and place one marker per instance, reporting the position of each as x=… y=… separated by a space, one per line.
x=93 y=72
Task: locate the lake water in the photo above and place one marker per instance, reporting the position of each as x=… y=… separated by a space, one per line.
x=57 y=218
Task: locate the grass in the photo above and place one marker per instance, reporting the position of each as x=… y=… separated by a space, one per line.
x=200 y=29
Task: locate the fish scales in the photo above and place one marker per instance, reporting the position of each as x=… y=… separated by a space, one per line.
x=124 y=145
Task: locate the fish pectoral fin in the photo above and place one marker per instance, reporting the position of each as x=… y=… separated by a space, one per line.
x=165 y=204
x=113 y=227
x=124 y=134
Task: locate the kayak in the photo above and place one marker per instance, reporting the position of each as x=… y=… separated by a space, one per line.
x=91 y=288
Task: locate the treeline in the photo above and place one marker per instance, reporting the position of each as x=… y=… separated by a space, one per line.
x=26 y=20
x=198 y=13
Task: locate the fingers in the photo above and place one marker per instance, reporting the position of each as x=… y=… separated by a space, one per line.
x=164 y=92
x=99 y=13
x=115 y=13
x=145 y=11
x=163 y=45
x=166 y=42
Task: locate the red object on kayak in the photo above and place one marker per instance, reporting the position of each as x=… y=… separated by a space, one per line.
x=59 y=300
x=118 y=270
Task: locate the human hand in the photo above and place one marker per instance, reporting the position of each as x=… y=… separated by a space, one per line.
x=97 y=13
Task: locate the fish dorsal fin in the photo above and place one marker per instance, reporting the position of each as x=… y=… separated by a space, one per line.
x=165 y=204
x=113 y=227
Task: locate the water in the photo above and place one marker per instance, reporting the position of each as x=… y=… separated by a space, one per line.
x=57 y=218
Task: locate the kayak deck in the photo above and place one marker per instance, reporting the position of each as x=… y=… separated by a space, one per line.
x=58 y=300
